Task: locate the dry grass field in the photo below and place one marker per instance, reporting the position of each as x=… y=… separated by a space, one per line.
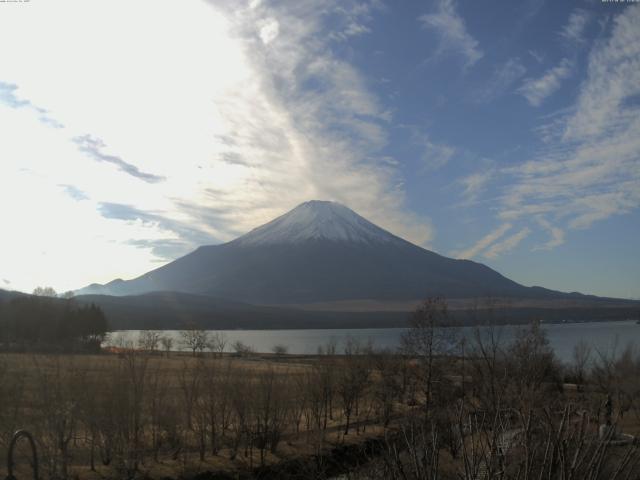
x=158 y=415
x=491 y=410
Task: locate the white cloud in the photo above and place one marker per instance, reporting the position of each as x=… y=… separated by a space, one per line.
x=537 y=56
x=484 y=242
x=556 y=234
x=352 y=18
x=589 y=167
x=451 y=28
x=220 y=111
x=504 y=76
x=9 y=97
x=437 y=155
x=507 y=244
x=575 y=28
x=269 y=29
x=434 y=155
x=325 y=141
x=475 y=183
x=535 y=90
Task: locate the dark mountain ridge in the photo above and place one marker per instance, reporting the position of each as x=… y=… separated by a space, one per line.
x=172 y=310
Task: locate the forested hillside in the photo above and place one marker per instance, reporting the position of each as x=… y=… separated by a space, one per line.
x=51 y=324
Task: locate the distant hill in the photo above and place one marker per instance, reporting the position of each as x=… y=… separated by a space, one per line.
x=9 y=294
x=174 y=310
x=322 y=252
x=171 y=310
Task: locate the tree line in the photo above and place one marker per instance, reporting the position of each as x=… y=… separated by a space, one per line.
x=52 y=324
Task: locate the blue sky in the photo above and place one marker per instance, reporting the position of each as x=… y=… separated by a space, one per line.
x=505 y=132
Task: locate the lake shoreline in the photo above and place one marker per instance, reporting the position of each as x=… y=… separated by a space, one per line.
x=563 y=337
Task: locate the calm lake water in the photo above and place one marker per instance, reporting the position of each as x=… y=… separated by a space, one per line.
x=602 y=336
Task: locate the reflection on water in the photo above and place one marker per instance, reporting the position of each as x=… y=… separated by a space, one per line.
x=602 y=336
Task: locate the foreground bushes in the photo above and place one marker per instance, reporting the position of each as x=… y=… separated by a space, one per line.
x=122 y=414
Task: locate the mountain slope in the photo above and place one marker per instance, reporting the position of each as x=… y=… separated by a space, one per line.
x=320 y=251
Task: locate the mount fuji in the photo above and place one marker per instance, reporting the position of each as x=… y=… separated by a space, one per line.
x=321 y=252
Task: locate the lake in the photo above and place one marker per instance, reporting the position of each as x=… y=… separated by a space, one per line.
x=602 y=336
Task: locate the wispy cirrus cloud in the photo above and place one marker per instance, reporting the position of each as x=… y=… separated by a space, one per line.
x=588 y=167
x=75 y=192
x=575 y=28
x=93 y=147
x=590 y=170
x=536 y=90
x=451 y=28
x=484 y=243
x=434 y=155
x=556 y=234
x=475 y=183
x=188 y=234
x=311 y=122
x=9 y=96
x=537 y=56
x=351 y=20
x=503 y=78
x=507 y=244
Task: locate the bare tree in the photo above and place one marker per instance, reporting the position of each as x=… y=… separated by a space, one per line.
x=617 y=375
x=148 y=340
x=352 y=379
x=156 y=405
x=212 y=403
x=327 y=372
x=299 y=399
x=386 y=390
x=488 y=366
x=195 y=405
x=427 y=339
x=280 y=349
x=167 y=344
x=135 y=370
x=533 y=370
x=241 y=399
x=195 y=339
x=580 y=362
x=44 y=292
x=218 y=343
x=241 y=348
x=58 y=410
x=270 y=411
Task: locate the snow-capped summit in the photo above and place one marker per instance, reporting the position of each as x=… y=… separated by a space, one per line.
x=318 y=220
x=318 y=252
